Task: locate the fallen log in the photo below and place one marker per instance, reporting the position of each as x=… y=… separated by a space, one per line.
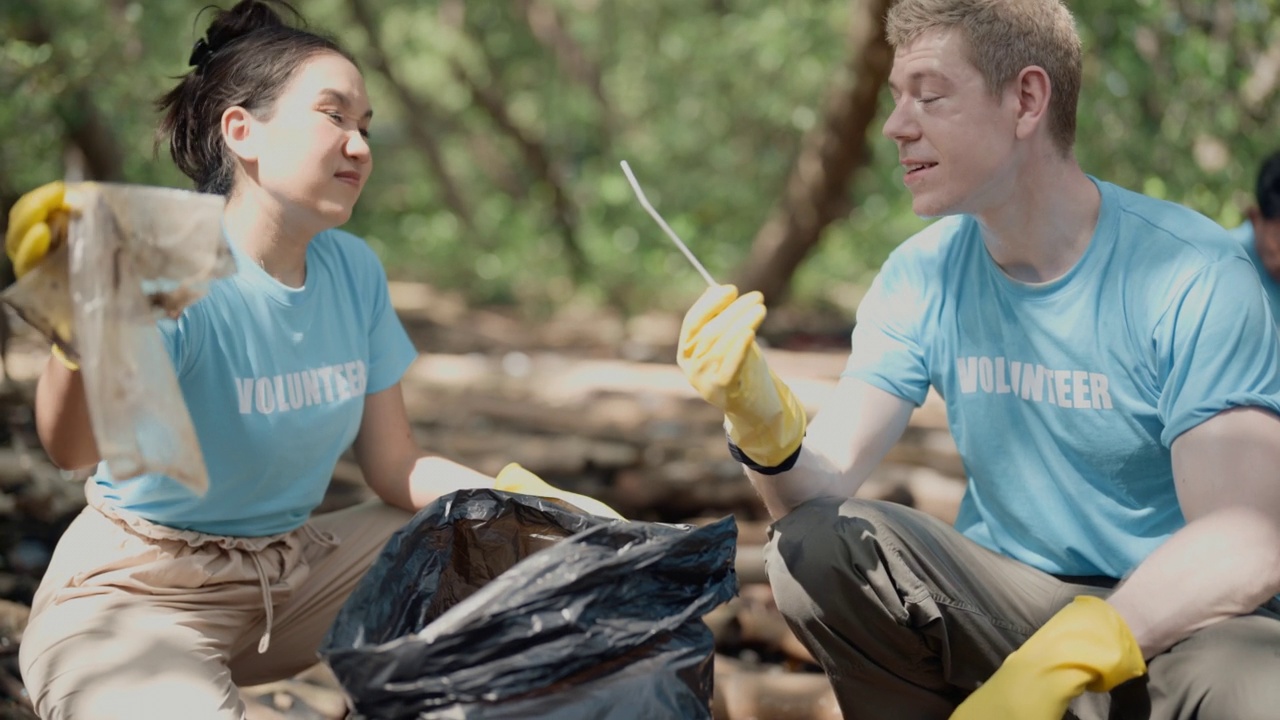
x=743 y=692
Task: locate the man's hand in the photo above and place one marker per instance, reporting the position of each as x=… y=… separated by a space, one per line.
x=719 y=356
x=1086 y=646
x=515 y=479
x=37 y=224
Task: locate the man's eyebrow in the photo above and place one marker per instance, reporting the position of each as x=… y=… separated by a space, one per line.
x=916 y=76
x=342 y=99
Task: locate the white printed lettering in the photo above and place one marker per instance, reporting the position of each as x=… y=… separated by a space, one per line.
x=1098 y=391
x=326 y=374
x=282 y=403
x=967 y=371
x=984 y=374
x=266 y=398
x=294 y=381
x=1075 y=389
x=1002 y=383
x=244 y=389
x=1079 y=389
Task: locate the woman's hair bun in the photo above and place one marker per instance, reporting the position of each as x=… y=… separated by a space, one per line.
x=227 y=26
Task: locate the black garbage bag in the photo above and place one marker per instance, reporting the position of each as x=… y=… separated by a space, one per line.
x=493 y=605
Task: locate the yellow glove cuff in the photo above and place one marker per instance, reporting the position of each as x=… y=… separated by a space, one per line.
x=1091 y=631
x=1085 y=646
x=67 y=362
x=771 y=438
x=514 y=478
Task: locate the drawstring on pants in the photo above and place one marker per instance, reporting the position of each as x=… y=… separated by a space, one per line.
x=265 y=584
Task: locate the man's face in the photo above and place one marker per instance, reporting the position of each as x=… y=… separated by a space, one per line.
x=1266 y=238
x=955 y=138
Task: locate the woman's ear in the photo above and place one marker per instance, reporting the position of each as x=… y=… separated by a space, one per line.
x=240 y=132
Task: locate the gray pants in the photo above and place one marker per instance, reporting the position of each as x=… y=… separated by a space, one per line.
x=907 y=617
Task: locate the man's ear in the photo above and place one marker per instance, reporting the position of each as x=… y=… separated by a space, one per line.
x=240 y=133
x=1032 y=92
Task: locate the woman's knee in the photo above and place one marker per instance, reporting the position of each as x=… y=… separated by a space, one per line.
x=95 y=658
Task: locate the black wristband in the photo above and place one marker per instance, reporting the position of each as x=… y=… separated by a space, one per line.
x=781 y=467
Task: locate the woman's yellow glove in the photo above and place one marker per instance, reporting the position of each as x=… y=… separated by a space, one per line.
x=515 y=479
x=1086 y=646
x=719 y=356
x=37 y=224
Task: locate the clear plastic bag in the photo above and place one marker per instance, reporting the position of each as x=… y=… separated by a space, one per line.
x=133 y=255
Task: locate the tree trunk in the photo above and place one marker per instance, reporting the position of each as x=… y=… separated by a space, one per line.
x=491 y=100
x=548 y=28
x=563 y=209
x=817 y=191
x=421 y=118
x=84 y=127
x=89 y=132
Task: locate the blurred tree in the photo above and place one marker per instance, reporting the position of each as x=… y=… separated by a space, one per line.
x=818 y=190
x=500 y=127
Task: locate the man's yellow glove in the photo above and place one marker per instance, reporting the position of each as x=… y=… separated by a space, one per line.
x=515 y=479
x=719 y=356
x=37 y=224
x=1086 y=646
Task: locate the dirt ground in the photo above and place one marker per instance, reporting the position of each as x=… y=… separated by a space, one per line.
x=589 y=401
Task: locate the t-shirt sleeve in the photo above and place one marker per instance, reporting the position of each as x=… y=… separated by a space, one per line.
x=391 y=352
x=886 y=348
x=182 y=337
x=1217 y=348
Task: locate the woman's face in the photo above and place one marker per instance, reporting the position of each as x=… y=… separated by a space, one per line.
x=312 y=151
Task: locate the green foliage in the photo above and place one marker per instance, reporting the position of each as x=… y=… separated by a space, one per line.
x=706 y=99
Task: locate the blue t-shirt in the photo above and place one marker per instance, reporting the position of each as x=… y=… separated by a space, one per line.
x=1245 y=236
x=1064 y=397
x=275 y=379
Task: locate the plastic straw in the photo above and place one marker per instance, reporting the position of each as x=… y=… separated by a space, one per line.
x=670 y=233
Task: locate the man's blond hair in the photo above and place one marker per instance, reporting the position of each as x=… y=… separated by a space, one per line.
x=1003 y=37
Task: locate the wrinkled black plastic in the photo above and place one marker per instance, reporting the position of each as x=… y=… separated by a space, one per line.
x=491 y=605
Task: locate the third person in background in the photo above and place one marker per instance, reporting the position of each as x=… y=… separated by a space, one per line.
x=1260 y=234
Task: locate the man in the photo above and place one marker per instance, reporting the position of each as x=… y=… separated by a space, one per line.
x=1260 y=236
x=1112 y=378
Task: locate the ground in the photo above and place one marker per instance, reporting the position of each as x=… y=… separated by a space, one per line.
x=588 y=401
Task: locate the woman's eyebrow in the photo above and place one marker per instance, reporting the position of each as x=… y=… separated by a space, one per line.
x=341 y=98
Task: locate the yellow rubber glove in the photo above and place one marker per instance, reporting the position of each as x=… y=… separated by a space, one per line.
x=37 y=224
x=1086 y=646
x=515 y=479
x=719 y=356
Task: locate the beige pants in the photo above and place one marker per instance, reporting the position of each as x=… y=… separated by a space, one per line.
x=136 y=620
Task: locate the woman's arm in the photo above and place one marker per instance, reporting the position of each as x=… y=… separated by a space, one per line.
x=62 y=417
x=394 y=467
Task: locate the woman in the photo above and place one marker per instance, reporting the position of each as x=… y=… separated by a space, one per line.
x=158 y=603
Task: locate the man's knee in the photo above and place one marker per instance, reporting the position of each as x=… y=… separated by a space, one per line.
x=1227 y=671
x=819 y=543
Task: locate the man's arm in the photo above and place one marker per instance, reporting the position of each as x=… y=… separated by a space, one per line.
x=859 y=423
x=1226 y=561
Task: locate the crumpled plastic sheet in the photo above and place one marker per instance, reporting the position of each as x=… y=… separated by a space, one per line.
x=494 y=605
x=134 y=254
